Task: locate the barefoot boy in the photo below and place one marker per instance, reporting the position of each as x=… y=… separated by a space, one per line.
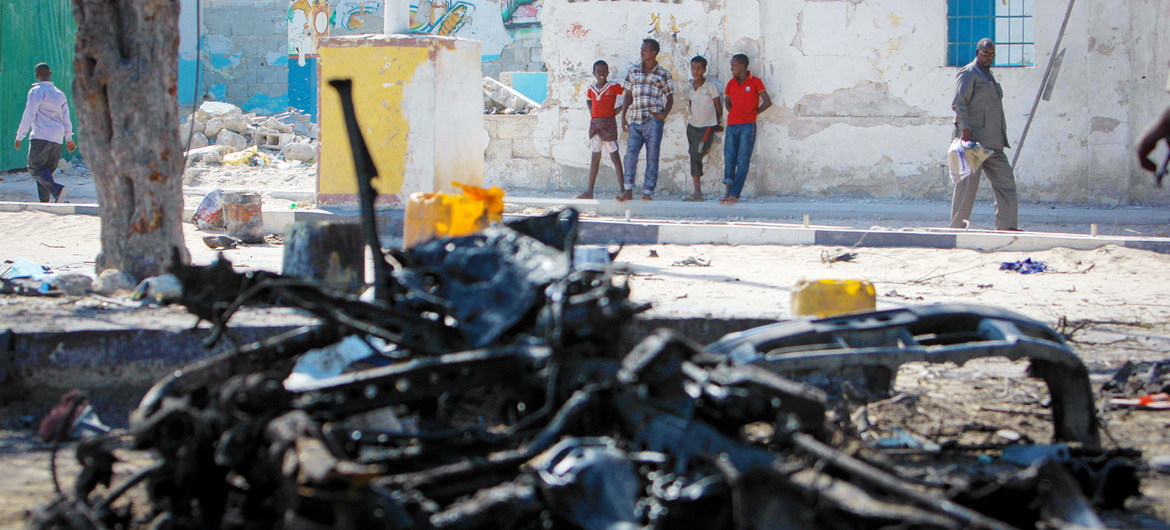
x=706 y=112
x=603 y=126
x=746 y=99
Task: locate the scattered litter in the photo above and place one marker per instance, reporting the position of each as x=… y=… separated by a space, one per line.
x=692 y=261
x=221 y=242
x=250 y=156
x=162 y=289
x=1159 y=401
x=900 y=439
x=828 y=259
x=274 y=239
x=1027 y=266
x=73 y=417
x=1160 y=463
x=209 y=213
x=24 y=268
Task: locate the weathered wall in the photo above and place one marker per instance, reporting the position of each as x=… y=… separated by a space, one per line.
x=863 y=93
x=418 y=102
x=244 y=60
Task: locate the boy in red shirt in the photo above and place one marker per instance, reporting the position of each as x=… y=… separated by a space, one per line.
x=746 y=98
x=603 y=126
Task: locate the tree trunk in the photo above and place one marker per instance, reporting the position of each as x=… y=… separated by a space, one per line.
x=126 y=75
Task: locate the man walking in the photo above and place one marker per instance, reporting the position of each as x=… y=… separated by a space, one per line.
x=647 y=103
x=979 y=117
x=46 y=114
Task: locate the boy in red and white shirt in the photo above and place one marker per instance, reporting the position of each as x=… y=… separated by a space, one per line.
x=603 y=133
x=746 y=99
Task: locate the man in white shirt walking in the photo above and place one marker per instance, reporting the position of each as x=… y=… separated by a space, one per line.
x=46 y=116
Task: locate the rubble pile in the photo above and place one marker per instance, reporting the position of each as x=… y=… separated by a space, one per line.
x=217 y=129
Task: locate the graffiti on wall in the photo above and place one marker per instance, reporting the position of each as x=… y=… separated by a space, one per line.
x=311 y=20
x=495 y=23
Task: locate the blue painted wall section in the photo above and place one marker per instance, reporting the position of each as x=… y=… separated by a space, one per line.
x=302 y=86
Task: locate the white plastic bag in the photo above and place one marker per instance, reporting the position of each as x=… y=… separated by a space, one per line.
x=964 y=158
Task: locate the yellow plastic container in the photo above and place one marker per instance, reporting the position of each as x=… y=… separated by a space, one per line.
x=440 y=214
x=824 y=298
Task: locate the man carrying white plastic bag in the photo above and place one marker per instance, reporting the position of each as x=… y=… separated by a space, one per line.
x=965 y=158
x=979 y=117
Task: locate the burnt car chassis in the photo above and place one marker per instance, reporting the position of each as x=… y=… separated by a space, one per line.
x=503 y=400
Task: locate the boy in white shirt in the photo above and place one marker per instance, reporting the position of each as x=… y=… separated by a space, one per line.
x=706 y=113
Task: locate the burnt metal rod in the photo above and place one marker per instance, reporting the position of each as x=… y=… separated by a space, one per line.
x=869 y=473
x=1043 y=83
x=366 y=172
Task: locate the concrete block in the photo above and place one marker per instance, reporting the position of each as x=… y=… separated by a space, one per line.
x=506 y=78
x=498 y=149
x=213 y=126
x=507 y=97
x=235 y=124
x=299 y=152
x=197 y=140
x=491 y=125
x=536 y=56
x=515 y=126
x=277 y=125
x=217 y=108
x=231 y=139
x=524 y=148
x=237 y=92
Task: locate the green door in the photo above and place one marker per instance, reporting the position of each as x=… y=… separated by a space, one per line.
x=31 y=32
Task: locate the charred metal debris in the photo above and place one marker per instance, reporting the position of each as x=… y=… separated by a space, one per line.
x=495 y=395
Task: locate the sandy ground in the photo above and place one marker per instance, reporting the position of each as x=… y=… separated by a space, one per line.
x=1113 y=303
x=280 y=176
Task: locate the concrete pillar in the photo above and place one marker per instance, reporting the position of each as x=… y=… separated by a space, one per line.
x=419 y=103
x=397 y=19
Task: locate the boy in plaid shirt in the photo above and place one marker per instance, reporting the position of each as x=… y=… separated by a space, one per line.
x=648 y=102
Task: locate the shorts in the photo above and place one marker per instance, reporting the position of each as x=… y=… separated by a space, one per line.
x=597 y=145
x=603 y=134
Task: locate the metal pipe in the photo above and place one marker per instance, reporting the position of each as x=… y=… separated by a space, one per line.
x=1043 y=83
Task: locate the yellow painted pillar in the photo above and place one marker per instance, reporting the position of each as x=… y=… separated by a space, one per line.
x=419 y=103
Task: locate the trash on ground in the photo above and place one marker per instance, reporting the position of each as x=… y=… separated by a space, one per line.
x=221 y=242
x=832 y=297
x=163 y=289
x=209 y=213
x=692 y=261
x=71 y=418
x=834 y=258
x=1025 y=266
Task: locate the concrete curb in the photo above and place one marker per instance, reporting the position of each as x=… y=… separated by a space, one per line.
x=599 y=231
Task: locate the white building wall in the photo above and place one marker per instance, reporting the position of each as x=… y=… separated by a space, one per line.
x=863 y=94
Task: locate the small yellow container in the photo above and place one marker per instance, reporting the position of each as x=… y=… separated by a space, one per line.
x=440 y=214
x=824 y=298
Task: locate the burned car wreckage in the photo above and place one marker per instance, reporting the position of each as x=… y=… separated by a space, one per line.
x=496 y=395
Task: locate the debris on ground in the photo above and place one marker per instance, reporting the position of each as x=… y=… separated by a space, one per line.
x=830 y=259
x=217 y=130
x=483 y=385
x=692 y=261
x=71 y=418
x=503 y=99
x=1025 y=266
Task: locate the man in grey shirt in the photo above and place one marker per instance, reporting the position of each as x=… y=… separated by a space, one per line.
x=978 y=107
